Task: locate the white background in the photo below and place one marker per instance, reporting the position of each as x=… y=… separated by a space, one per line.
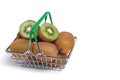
x=96 y=23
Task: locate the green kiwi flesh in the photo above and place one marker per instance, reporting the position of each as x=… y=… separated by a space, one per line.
x=48 y=32
x=25 y=28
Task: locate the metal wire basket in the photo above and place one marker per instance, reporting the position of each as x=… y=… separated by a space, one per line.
x=40 y=61
x=29 y=59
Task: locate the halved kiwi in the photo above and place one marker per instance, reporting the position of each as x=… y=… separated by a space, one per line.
x=25 y=28
x=48 y=32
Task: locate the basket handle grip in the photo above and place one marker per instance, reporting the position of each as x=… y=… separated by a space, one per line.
x=34 y=27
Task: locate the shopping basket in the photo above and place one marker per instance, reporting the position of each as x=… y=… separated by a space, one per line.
x=40 y=61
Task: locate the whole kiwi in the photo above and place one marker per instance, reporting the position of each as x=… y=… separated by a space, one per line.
x=62 y=55
x=18 y=35
x=20 y=45
x=65 y=42
x=48 y=49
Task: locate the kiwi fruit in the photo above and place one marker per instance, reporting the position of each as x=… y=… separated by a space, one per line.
x=60 y=61
x=18 y=35
x=65 y=42
x=62 y=55
x=48 y=49
x=48 y=32
x=20 y=45
x=25 y=28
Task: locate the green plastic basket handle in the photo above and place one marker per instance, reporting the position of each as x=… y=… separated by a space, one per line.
x=36 y=25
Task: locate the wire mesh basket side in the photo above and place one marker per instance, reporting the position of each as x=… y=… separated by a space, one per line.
x=48 y=63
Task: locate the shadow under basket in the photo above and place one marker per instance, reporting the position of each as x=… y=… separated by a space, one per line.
x=40 y=62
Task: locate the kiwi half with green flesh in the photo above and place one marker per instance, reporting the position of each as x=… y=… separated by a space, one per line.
x=25 y=28
x=48 y=32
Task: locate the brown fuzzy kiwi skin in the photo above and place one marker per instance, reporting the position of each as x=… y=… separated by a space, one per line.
x=48 y=49
x=61 y=55
x=20 y=45
x=60 y=61
x=18 y=35
x=65 y=42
